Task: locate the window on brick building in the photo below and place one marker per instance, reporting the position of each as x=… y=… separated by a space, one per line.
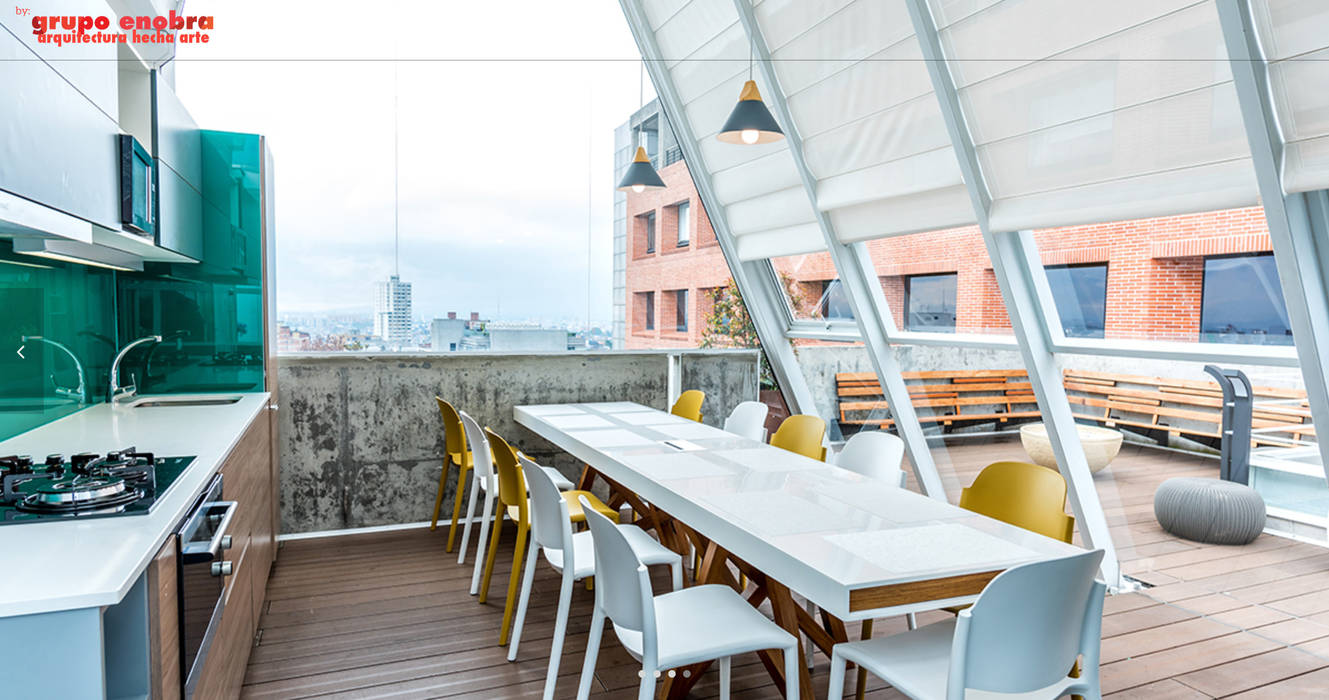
x=684 y=233
x=1242 y=301
x=929 y=302
x=649 y=223
x=1080 y=292
x=681 y=311
x=834 y=302
x=648 y=300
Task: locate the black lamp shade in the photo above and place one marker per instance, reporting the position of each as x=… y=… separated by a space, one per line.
x=640 y=175
x=750 y=115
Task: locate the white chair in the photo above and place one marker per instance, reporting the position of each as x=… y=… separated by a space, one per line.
x=697 y=624
x=573 y=556
x=874 y=454
x=1021 y=638
x=748 y=419
x=485 y=480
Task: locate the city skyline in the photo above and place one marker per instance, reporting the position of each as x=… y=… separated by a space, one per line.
x=460 y=216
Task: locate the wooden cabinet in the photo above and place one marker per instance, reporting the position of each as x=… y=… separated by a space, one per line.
x=164 y=623
x=249 y=480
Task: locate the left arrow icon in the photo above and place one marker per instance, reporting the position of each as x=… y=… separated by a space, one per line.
x=20 y=352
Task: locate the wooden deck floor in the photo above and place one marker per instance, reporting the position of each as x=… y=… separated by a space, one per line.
x=388 y=615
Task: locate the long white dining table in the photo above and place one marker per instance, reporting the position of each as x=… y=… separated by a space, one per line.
x=857 y=547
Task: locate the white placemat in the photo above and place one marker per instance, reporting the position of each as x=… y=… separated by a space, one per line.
x=675 y=466
x=578 y=421
x=691 y=430
x=776 y=513
x=892 y=503
x=941 y=547
x=553 y=410
x=619 y=407
x=615 y=437
x=767 y=459
x=649 y=418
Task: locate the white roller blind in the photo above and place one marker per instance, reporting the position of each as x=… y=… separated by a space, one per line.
x=1294 y=35
x=861 y=99
x=1091 y=112
x=1080 y=111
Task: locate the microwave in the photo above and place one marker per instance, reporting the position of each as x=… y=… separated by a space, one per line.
x=137 y=188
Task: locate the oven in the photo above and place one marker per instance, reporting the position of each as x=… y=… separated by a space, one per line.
x=202 y=571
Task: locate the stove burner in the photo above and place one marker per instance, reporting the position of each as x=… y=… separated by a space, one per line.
x=124 y=482
x=79 y=494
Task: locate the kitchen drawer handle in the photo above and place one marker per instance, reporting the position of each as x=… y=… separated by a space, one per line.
x=212 y=549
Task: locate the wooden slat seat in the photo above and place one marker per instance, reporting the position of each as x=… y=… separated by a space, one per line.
x=945 y=397
x=1182 y=407
x=1158 y=406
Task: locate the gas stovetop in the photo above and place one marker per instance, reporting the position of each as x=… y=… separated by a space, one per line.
x=124 y=482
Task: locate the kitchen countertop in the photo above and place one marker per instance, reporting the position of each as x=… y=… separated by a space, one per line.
x=53 y=566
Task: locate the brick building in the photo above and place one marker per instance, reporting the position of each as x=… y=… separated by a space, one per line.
x=1140 y=279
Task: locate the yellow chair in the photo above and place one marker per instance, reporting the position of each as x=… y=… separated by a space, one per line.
x=512 y=500
x=454 y=438
x=1024 y=495
x=689 y=404
x=802 y=434
x=1027 y=496
x=1021 y=494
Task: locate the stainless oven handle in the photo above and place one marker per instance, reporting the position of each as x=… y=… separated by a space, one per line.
x=214 y=546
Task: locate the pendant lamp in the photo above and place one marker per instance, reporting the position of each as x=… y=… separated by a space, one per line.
x=640 y=175
x=750 y=123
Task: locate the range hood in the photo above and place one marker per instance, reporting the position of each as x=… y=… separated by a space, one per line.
x=41 y=231
x=79 y=252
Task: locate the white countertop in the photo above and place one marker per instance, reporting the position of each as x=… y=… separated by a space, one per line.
x=52 y=566
x=821 y=530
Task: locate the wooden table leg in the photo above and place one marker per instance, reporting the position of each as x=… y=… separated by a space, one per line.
x=587 y=478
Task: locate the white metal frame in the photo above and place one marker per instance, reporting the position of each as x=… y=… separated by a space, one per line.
x=1298 y=223
x=1013 y=255
x=857 y=276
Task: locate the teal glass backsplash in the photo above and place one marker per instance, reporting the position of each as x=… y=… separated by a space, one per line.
x=210 y=313
x=72 y=305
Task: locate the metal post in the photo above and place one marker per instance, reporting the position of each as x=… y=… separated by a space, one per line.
x=857 y=277
x=1234 y=462
x=1014 y=255
x=759 y=299
x=1298 y=223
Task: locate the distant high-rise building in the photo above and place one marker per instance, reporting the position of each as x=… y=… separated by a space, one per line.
x=392 y=311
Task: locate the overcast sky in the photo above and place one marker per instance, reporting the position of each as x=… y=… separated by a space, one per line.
x=505 y=114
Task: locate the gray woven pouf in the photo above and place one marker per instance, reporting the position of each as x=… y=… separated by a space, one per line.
x=1209 y=510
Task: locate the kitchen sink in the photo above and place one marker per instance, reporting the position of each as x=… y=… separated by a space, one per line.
x=165 y=401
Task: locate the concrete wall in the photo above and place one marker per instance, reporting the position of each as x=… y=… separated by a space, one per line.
x=361 y=440
x=728 y=378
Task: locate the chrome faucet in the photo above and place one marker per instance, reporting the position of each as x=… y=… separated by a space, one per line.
x=124 y=393
x=79 y=392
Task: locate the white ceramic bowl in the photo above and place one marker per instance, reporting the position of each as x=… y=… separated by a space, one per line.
x=1101 y=445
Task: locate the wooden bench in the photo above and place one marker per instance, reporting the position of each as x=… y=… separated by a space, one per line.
x=1157 y=407
x=950 y=398
x=1161 y=407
